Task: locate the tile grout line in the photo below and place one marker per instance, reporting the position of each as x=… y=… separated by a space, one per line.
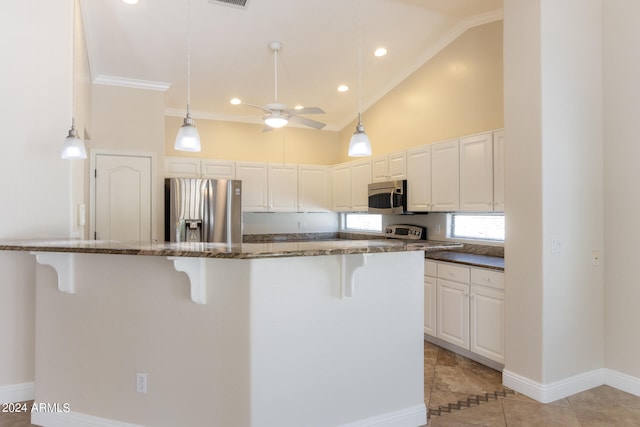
x=474 y=399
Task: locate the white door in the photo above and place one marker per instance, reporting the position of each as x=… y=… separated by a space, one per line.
x=476 y=173
x=283 y=187
x=254 y=185
x=122 y=198
x=419 y=179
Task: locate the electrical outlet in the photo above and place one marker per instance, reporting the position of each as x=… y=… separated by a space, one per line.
x=141 y=382
x=556 y=246
x=438 y=229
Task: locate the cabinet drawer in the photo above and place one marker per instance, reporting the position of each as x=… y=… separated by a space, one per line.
x=430 y=269
x=453 y=272
x=490 y=278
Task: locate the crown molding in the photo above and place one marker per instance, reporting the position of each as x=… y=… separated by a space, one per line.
x=131 y=83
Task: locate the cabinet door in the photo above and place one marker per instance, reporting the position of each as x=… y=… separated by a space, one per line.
x=254 y=185
x=476 y=173
x=313 y=188
x=218 y=169
x=445 y=179
x=398 y=166
x=341 y=188
x=419 y=179
x=453 y=313
x=283 y=187
x=360 y=179
x=498 y=171
x=430 y=297
x=181 y=167
x=487 y=323
x=380 y=169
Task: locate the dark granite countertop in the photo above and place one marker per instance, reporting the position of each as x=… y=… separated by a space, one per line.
x=475 y=260
x=222 y=250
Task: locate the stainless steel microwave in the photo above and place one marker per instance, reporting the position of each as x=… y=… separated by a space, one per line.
x=388 y=197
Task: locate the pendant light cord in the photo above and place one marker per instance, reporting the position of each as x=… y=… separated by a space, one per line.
x=188 y=56
x=73 y=66
x=359 y=63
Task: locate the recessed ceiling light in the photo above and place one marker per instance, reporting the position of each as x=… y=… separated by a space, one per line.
x=235 y=101
x=343 y=88
x=381 y=51
x=298 y=107
x=131 y=1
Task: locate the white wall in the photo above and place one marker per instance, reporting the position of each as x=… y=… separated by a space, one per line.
x=553 y=122
x=622 y=200
x=35 y=116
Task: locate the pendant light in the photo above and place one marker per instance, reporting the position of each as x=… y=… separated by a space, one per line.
x=188 y=138
x=73 y=146
x=359 y=146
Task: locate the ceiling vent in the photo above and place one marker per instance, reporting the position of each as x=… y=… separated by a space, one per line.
x=241 y=4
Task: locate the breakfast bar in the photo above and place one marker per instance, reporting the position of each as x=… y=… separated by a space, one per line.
x=324 y=333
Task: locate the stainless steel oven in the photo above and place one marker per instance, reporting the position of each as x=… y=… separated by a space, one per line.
x=388 y=197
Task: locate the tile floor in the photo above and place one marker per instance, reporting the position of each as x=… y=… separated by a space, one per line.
x=450 y=379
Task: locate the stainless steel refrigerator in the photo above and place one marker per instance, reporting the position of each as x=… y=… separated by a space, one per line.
x=203 y=210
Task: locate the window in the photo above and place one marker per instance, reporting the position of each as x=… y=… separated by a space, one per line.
x=362 y=222
x=477 y=226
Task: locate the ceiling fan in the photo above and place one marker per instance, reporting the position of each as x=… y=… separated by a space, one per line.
x=277 y=114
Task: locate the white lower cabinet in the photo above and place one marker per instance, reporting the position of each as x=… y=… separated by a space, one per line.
x=430 y=297
x=487 y=323
x=467 y=307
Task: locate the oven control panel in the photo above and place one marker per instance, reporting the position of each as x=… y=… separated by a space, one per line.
x=404 y=231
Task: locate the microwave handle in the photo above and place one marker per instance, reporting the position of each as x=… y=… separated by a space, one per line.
x=391 y=200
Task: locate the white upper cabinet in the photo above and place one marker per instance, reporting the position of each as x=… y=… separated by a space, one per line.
x=351 y=186
x=360 y=180
x=283 y=187
x=476 y=173
x=445 y=178
x=254 y=178
x=419 y=179
x=498 y=171
x=313 y=188
x=218 y=169
x=389 y=167
x=342 y=187
x=181 y=167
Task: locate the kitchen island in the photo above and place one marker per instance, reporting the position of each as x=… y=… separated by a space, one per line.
x=266 y=334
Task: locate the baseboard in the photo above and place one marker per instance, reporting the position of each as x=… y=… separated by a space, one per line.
x=16 y=392
x=546 y=393
x=409 y=417
x=74 y=419
x=622 y=381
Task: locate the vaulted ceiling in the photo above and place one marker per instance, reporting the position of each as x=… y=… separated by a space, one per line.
x=145 y=45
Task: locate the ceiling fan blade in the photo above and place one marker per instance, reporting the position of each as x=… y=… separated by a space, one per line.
x=264 y=109
x=307 y=122
x=306 y=110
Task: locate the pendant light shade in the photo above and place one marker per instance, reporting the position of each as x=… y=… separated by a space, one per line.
x=188 y=138
x=73 y=147
x=359 y=146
